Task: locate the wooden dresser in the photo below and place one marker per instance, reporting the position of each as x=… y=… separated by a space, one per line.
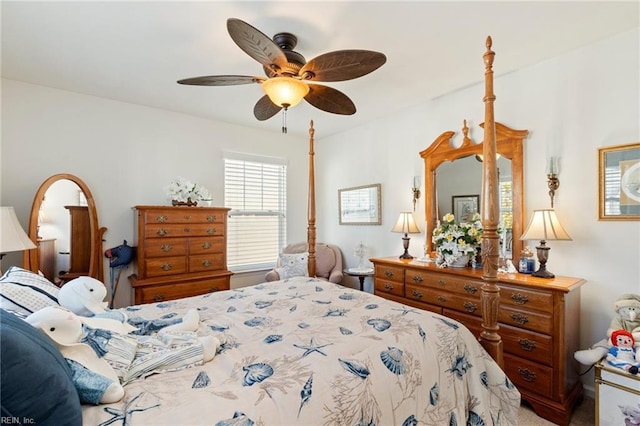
x=182 y=252
x=539 y=323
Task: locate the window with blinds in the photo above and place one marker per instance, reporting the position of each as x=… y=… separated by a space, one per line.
x=255 y=189
x=612 y=180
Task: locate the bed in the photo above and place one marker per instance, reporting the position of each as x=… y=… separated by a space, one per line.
x=307 y=351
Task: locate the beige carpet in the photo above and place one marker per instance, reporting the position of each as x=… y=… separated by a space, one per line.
x=583 y=415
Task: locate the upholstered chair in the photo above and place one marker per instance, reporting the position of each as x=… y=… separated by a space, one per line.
x=328 y=262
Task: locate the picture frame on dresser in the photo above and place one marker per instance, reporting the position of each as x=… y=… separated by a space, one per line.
x=619 y=182
x=464 y=207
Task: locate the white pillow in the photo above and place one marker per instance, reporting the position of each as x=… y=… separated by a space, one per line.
x=26 y=292
x=293 y=265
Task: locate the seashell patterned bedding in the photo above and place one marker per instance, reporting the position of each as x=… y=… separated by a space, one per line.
x=310 y=352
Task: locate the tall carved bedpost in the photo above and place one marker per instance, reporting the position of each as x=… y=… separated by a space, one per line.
x=490 y=295
x=311 y=207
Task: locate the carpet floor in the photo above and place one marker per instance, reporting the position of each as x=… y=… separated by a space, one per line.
x=583 y=415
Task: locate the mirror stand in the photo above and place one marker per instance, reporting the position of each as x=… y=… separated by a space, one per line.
x=94 y=266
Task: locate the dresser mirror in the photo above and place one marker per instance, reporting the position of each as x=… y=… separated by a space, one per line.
x=64 y=223
x=457 y=171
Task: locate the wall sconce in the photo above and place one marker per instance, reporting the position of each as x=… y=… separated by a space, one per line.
x=415 y=188
x=552 y=177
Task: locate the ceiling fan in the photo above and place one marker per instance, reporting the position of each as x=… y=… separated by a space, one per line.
x=288 y=73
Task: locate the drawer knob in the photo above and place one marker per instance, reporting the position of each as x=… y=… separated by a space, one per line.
x=161 y=232
x=211 y=218
x=442 y=282
x=470 y=288
x=166 y=267
x=518 y=298
x=187 y=217
x=206 y=262
x=162 y=218
x=166 y=247
x=526 y=374
x=527 y=345
x=388 y=273
x=417 y=279
x=187 y=229
x=388 y=286
x=211 y=231
x=417 y=294
x=158 y=298
x=213 y=289
x=470 y=307
x=207 y=245
x=519 y=318
x=442 y=299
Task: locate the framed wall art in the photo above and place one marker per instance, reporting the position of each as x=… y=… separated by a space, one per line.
x=619 y=182
x=464 y=207
x=360 y=205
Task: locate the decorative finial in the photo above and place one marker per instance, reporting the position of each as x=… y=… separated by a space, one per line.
x=489 y=41
x=465 y=132
x=311 y=129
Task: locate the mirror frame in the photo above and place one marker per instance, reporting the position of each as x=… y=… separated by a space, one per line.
x=508 y=143
x=30 y=257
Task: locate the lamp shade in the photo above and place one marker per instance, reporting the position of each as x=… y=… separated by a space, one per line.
x=406 y=224
x=12 y=236
x=544 y=225
x=285 y=91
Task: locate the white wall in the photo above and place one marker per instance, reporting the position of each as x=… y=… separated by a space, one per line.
x=571 y=105
x=126 y=154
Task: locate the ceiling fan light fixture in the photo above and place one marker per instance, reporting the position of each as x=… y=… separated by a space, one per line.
x=285 y=91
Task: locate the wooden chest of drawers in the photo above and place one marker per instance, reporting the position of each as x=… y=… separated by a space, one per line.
x=538 y=318
x=181 y=252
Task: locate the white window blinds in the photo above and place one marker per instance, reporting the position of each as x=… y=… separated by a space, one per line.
x=255 y=189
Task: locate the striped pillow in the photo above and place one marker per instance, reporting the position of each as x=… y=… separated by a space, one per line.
x=25 y=292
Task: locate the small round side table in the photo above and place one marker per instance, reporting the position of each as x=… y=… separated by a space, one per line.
x=360 y=273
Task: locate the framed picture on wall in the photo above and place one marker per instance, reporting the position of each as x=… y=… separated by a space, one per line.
x=464 y=207
x=619 y=182
x=360 y=205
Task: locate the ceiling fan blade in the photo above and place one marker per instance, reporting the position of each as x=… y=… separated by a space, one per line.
x=221 y=80
x=342 y=65
x=256 y=44
x=265 y=109
x=330 y=100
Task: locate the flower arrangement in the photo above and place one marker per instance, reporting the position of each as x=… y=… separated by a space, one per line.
x=453 y=240
x=182 y=190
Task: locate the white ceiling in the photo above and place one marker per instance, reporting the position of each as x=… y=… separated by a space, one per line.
x=135 y=51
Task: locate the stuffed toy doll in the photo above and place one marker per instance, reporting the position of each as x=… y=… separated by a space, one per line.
x=95 y=380
x=84 y=296
x=627 y=308
x=623 y=354
x=103 y=360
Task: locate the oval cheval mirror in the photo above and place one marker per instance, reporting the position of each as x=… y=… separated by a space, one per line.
x=64 y=224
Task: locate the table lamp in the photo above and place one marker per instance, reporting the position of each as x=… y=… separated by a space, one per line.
x=12 y=236
x=406 y=225
x=544 y=225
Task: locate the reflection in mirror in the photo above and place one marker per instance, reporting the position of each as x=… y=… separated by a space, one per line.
x=444 y=179
x=64 y=222
x=461 y=178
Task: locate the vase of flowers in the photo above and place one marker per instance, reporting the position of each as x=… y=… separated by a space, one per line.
x=183 y=192
x=456 y=241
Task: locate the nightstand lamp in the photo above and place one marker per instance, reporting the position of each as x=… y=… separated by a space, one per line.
x=406 y=225
x=12 y=236
x=544 y=226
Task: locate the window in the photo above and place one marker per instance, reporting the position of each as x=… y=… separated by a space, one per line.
x=255 y=189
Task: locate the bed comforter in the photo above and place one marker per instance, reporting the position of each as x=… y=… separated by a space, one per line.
x=309 y=352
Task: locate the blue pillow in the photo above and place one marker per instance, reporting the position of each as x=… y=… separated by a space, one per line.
x=36 y=384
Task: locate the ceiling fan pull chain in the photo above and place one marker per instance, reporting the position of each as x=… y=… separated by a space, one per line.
x=284 y=120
